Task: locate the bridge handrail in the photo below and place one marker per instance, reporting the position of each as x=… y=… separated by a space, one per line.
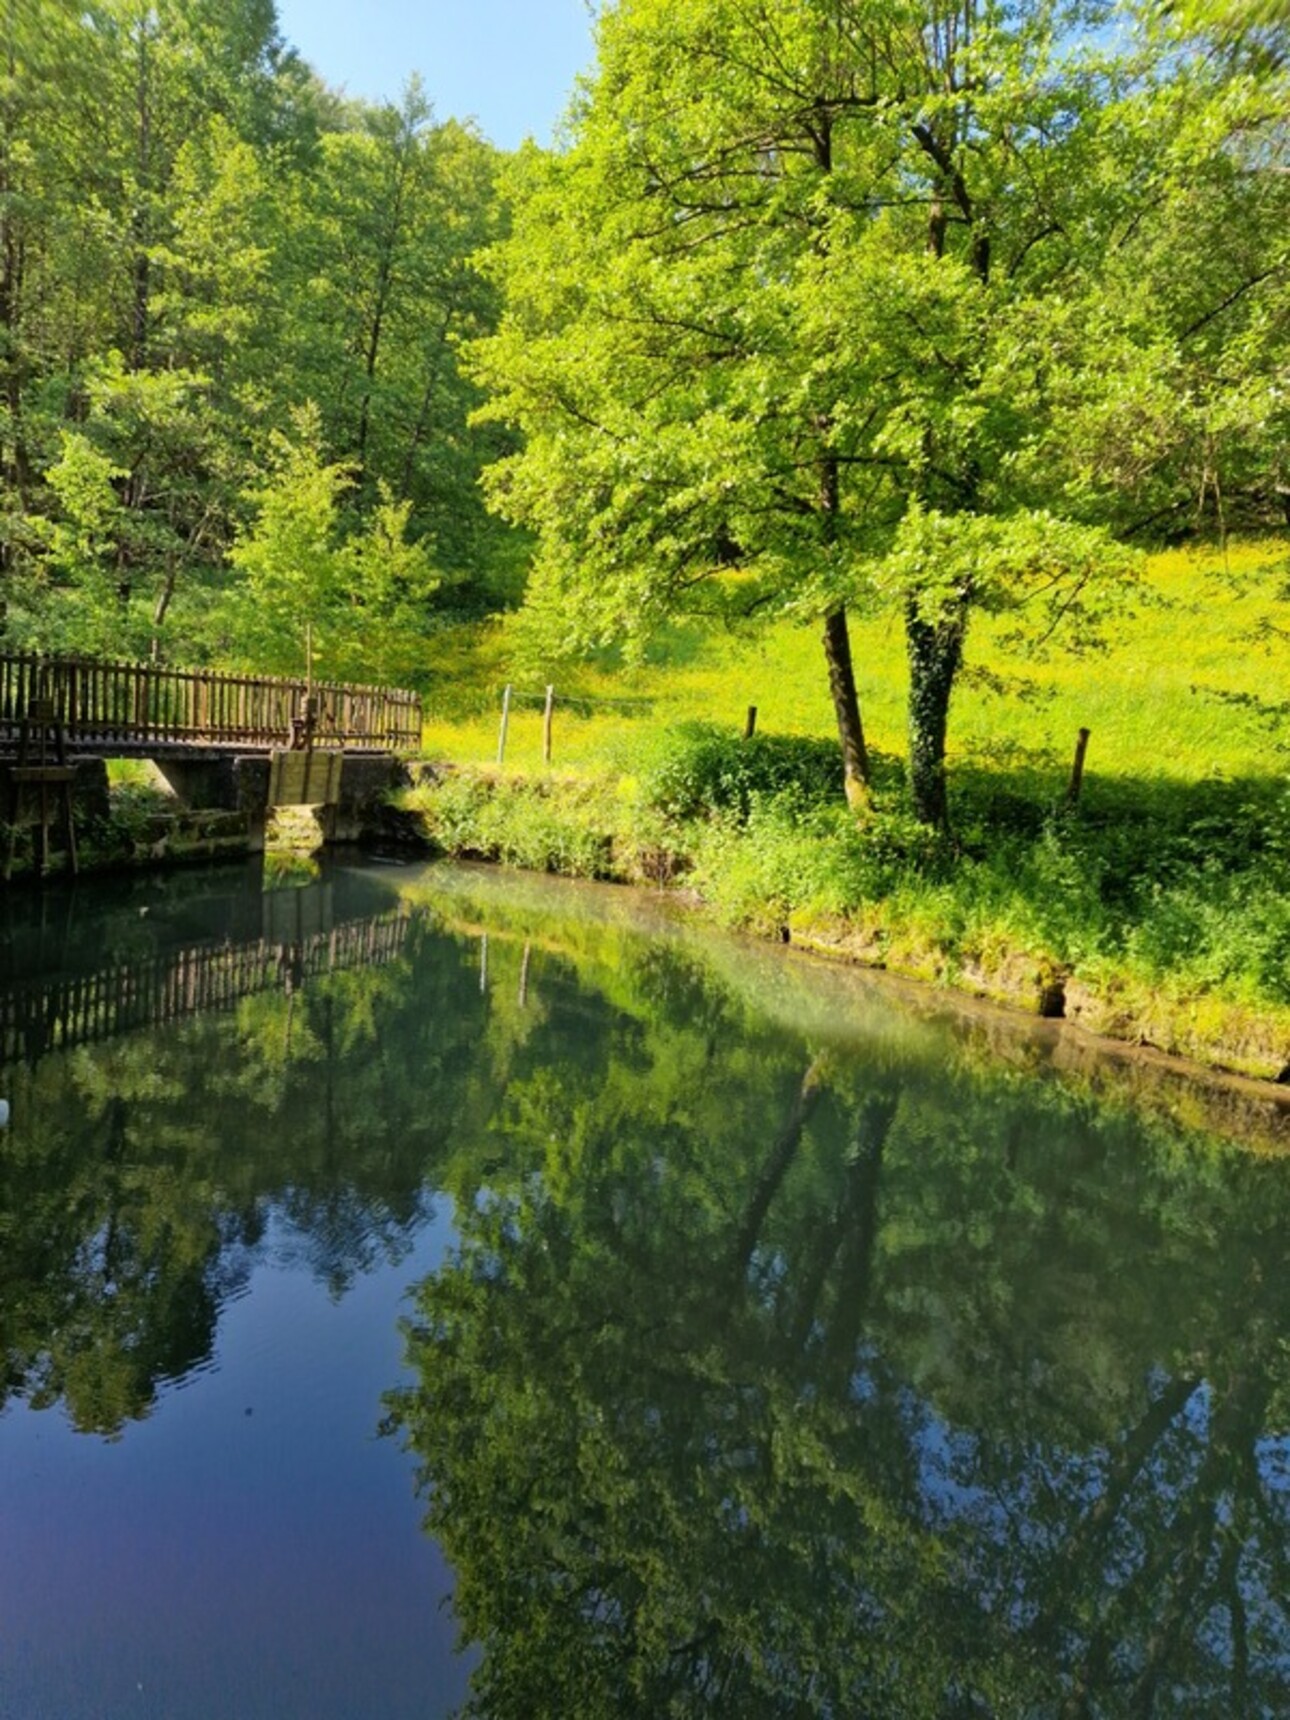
x=102 y=700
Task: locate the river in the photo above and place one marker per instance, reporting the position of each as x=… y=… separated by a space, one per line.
x=424 y=1291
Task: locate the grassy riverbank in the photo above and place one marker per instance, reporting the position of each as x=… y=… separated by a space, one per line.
x=1158 y=909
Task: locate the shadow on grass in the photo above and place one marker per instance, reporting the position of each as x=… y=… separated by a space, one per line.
x=1144 y=828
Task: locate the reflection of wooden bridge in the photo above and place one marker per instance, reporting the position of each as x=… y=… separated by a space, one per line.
x=60 y=1011
x=117 y=710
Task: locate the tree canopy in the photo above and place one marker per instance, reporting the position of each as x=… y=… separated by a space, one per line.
x=200 y=248
x=837 y=304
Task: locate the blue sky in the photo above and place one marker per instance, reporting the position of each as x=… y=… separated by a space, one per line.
x=508 y=63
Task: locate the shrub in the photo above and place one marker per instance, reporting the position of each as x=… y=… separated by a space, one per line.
x=793 y=855
x=543 y=827
x=701 y=772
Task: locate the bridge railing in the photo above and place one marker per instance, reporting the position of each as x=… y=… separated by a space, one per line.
x=100 y=702
x=59 y=1012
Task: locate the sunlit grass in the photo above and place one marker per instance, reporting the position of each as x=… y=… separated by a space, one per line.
x=1187 y=688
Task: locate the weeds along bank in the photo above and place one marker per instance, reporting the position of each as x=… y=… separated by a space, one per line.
x=1158 y=909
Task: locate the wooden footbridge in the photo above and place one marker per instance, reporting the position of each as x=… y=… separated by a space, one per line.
x=56 y=711
x=60 y=1011
x=121 y=710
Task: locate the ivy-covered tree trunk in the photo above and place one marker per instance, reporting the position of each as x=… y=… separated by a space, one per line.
x=935 y=653
x=846 y=707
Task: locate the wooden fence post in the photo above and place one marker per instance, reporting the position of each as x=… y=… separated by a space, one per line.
x=546 y=725
x=506 y=717
x=1077 y=769
x=750 y=723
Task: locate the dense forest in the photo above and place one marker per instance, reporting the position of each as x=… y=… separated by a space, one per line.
x=230 y=400
x=815 y=311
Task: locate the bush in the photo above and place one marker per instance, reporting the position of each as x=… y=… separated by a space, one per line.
x=792 y=855
x=1217 y=932
x=702 y=772
x=531 y=825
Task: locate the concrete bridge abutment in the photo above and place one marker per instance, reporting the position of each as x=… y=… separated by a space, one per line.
x=241 y=783
x=212 y=784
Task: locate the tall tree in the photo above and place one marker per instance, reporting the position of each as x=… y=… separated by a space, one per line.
x=376 y=267
x=50 y=255
x=1189 y=422
x=801 y=316
x=126 y=132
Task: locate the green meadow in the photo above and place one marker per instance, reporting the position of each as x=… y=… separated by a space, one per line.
x=1157 y=909
x=1191 y=684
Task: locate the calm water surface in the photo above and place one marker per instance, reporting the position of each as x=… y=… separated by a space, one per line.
x=423 y=1291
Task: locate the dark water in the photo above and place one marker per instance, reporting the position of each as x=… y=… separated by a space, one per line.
x=723 y=1334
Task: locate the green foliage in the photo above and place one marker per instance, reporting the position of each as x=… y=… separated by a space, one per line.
x=390 y=581
x=202 y=241
x=290 y=557
x=1255 y=32
x=798 y=858
x=363 y=599
x=379 y=269
x=82 y=541
x=700 y=771
x=565 y=828
x=1204 y=908
x=1044 y=571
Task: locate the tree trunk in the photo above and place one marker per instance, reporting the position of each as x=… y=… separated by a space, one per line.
x=389 y=247
x=1075 y=1570
x=16 y=464
x=846 y=707
x=776 y=1167
x=935 y=653
x=427 y=401
x=852 y=1228
x=860 y=1250
x=837 y=639
x=166 y=593
x=140 y=300
x=140 y=220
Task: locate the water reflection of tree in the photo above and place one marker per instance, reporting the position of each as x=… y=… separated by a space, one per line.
x=812 y=1389
x=141 y=1176
x=770 y=1378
